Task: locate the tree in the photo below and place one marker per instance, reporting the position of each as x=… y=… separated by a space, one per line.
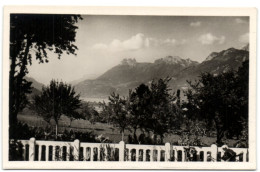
x=139 y=107
x=55 y=100
x=221 y=100
x=89 y=113
x=117 y=110
x=105 y=114
x=35 y=34
x=75 y=116
x=163 y=107
x=153 y=108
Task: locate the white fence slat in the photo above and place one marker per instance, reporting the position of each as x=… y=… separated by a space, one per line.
x=183 y=155
x=60 y=153
x=67 y=150
x=98 y=153
x=91 y=153
x=144 y=155
x=137 y=155
x=47 y=153
x=105 y=155
x=129 y=155
x=158 y=155
x=205 y=156
x=39 y=153
x=84 y=153
x=53 y=153
x=24 y=152
x=151 y=154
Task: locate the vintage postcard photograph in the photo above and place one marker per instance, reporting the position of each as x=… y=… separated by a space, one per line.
x=129 y=88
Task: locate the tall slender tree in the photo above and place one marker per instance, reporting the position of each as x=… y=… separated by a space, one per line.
x=162 y=118
x=118 y=111
x=139 y=107
x=35 y=35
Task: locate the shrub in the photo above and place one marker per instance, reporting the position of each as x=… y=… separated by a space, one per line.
x=15 y=150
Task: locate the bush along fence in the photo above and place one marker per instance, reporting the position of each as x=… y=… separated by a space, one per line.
x=34 y=150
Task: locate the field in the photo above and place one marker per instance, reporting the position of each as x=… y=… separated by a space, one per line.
x=101 y=128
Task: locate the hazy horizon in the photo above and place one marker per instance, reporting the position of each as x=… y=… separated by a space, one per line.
x=103 y=41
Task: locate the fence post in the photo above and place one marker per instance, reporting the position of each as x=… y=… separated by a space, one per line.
x=31 y=149
x=244 y=155
x=167 y=151
x=214 y=152
x=76 y=150
x=121 y=150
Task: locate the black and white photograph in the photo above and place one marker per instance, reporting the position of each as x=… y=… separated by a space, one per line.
x=160 y=88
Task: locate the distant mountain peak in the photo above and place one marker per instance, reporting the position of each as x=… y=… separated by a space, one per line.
x=211 y=56
x=224 y=55
x=169 y=60
x=129 y=62
x=228 y=51
x=175 y=60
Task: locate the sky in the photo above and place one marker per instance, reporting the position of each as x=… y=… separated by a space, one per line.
x=103 y=41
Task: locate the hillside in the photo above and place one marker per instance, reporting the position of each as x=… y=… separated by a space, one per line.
x=129 y=74
x=215 y=63
x=36 y=86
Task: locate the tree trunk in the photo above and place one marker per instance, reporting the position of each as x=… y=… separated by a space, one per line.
x=135 y=137
x=11 y=91
x=15 y=101
x=92 y=124
x=220 y=134
x=56 y=131
x=161 y=137
x=220 y=131
x=70 y=123
x=122 y=132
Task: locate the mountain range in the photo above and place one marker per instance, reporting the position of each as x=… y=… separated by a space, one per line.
x=130 y=73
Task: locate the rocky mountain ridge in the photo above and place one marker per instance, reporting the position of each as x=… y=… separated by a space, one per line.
x=130 y=73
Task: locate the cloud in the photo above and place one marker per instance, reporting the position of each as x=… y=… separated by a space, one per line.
x=240 y=21
x=136 y=42
x=195 y=24
x=244 y=38
x=100 y=46
x=209 y=38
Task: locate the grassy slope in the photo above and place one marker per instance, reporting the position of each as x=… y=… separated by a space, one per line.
x=101 y=128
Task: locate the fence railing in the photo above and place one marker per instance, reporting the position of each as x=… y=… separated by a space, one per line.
x=34 y=150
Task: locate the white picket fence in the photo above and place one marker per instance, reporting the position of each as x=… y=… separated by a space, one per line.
x=34 y=150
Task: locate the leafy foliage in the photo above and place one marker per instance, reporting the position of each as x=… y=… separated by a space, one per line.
x=15 y=150
x=89 y=113
x=162 y=118
x=148 y=108
x=25 y=132
x=221 y=100
x=35 y=34
x=55 y=100
x=140 y=100
x=117 y=110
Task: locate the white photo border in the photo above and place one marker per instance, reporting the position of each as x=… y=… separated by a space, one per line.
x=154 y=11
